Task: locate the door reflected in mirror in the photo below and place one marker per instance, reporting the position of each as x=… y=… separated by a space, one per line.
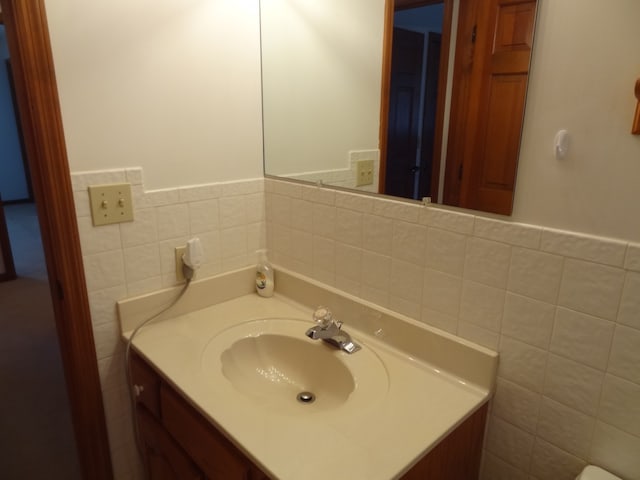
x=381 y=96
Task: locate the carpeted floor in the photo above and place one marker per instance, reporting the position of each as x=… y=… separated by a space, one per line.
x=36 y=437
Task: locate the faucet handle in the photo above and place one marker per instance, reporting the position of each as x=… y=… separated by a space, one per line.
x=323 y=317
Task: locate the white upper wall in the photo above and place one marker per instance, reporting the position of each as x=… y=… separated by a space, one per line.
x=585 y=65
x=174 y=87
x=171 y=86
x=321 y=93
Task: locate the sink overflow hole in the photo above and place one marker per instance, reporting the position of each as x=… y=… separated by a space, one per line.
x=306 y=397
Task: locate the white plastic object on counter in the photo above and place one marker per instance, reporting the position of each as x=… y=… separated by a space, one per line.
x=194 y=255
x=561 y=144
x=264 y=276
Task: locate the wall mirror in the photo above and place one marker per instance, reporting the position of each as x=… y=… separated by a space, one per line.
x=409 y=98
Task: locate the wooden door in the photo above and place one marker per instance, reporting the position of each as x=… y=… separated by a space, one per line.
x=491 y=75
x=404 y=112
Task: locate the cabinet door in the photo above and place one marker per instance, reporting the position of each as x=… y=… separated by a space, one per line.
x=163 y=457
x=457 y=456
x=210 y=450
x=256 y=474
x=147 y=383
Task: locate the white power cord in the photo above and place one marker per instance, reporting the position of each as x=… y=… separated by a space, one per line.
x=192 y=260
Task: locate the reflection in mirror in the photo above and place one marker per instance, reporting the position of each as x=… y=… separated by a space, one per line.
x=321 y=88
x=355 y=95
x=410 y=99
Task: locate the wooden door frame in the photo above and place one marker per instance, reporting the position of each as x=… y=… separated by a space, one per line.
x=37 y=97
x=390 y=7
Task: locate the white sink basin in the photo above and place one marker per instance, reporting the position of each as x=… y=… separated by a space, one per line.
x=272 y=362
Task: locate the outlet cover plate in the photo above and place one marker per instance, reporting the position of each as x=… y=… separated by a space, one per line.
x=180 y=251
x=111 y=203
x=364 y=173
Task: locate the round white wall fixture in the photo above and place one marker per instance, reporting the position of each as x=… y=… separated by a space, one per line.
x=561 y=144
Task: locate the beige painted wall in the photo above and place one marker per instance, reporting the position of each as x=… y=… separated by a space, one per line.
x=321 y=93
x=173 y=87
x=585 y=65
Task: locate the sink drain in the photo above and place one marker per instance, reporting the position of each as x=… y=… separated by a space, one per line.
x=306 y=397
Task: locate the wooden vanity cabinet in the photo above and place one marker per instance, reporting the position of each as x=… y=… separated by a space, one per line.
x=180 y=444
x=164 y=458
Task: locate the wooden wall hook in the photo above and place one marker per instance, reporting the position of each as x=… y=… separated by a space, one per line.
x=635 y=129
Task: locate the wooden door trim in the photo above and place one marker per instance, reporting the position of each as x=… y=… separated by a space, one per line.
x=387 y=42
x=37 y=98
x=390 y=7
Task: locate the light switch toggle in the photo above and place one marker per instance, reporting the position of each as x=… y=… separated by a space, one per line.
x=111 y=203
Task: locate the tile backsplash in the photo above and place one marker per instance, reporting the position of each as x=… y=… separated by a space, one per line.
x=128 y=259
x=563 y=309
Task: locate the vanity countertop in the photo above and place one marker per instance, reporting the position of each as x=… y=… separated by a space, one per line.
x=381 y=439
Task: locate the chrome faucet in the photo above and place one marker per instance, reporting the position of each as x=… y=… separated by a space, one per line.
x=329 y=330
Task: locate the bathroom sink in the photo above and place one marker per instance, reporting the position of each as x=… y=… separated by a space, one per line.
x=272 y=362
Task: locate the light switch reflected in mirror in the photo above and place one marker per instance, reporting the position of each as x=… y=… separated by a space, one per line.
x=410 y=87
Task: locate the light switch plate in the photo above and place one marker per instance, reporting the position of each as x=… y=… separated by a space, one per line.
x=364 y=173
x=111 y=203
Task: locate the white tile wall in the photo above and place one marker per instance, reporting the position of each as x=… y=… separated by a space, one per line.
x=501 y=470
x=630 y=303
x=562 y=308
x=574 y=384
x=550 y=462
x=128 y=259
x=591 y=288
x=515 y=445
x=345 y=177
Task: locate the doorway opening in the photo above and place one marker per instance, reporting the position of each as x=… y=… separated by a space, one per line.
x=38 y=439
x=37 y=101
x=416 y=55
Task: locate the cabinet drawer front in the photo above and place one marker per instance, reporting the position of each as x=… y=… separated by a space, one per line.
x=147 y=382
x=211 y=451
x=164 y=458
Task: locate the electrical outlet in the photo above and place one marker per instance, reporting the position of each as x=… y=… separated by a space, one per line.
x=180 y=251
x=111 y=203
x=364 y=173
